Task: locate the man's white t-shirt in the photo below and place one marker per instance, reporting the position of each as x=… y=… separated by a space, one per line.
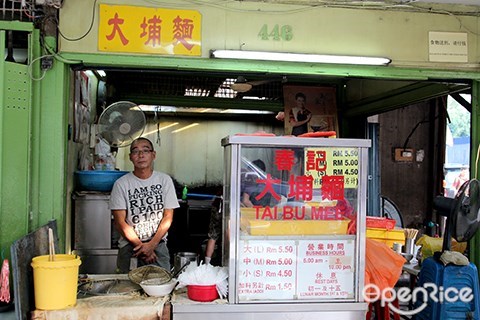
x=145 y=200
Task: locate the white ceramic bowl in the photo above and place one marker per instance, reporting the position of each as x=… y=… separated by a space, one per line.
x=153 y=289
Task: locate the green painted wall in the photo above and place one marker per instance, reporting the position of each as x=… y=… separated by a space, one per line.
x=15 y=170
x=33 y=108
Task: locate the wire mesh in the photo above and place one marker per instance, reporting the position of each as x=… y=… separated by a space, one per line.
x=16 y=10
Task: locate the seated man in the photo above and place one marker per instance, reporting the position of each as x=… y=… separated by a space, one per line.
x=251 y=189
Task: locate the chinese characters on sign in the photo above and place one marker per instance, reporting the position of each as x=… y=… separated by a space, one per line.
x=327 y=269
x=448 y=46
x=330 y=170
x=267 y=270
x=149 y=30
x=302 y=269
x=336 y=162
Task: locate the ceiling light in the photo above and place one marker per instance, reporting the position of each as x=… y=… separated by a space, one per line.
x=298 y=57
x=180 y=110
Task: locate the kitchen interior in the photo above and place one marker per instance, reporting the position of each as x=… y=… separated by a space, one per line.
x=187 y=141
x=186 y=114
x=392 y=100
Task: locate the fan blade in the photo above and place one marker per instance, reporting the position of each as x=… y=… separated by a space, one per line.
x=241 y=87
x=259 y=82
x=121 y=123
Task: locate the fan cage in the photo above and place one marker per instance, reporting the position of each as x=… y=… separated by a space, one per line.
x=121 y=123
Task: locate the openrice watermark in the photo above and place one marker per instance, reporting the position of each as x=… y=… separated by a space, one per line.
x=429 y=291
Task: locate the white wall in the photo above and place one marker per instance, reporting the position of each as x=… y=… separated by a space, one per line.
x=194 y=156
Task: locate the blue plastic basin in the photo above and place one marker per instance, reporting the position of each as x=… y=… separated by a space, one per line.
x=97 y=180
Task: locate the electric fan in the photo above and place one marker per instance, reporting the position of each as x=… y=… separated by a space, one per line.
x=463 y=216
x=242 y=85
x=121 y=123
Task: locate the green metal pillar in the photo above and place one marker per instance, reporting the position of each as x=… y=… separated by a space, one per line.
x=49 y=145
x=474 y=161
x=15 y=144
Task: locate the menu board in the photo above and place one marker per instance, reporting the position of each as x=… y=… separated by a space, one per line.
x=327 y=269
x=267 y=269
x=296 y=269
x=337 y=162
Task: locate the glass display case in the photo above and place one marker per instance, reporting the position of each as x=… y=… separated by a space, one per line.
x=293 y=230
x=294 y=213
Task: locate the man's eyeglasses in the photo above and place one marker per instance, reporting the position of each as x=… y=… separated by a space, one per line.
x=138 y=152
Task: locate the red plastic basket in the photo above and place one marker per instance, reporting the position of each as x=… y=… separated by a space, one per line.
x=382 y=223
x=201 y=293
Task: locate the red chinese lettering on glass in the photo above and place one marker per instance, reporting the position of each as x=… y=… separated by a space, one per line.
x=284 y=159
x=301 y=187
x=316 y=160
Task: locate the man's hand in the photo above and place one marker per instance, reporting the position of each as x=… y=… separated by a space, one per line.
x=146 y=251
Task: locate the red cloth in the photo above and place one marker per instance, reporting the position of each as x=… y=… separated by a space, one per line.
x=4 y=285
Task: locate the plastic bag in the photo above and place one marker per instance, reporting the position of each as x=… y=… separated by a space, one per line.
x=430 y=245
x=383 y=266
x=205 y=275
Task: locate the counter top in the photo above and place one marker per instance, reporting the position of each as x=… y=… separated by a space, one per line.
x=112 y=308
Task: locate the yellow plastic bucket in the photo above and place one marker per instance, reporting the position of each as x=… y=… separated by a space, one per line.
x=55 y=282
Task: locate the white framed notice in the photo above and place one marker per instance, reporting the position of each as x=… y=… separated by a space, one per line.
x=307 y=269
x=267 y=270
x=448 y=46
x=327 y=269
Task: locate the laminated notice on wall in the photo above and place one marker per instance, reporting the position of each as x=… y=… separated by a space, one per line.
x=296 y=269
x=448 y=46
x=327 y=269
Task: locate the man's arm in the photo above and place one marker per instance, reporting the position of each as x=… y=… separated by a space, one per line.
x=147 y=249
x=165 y=224
x=246 y=202
x=122 y=226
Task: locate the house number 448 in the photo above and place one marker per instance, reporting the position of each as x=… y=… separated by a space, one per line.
x=277 y=33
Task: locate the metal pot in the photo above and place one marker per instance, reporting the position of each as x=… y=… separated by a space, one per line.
x=183 y=258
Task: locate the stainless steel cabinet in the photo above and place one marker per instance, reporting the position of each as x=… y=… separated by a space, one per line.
x=94 y=235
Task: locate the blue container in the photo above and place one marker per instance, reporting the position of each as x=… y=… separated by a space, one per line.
x=97 y=180
x=447 y=277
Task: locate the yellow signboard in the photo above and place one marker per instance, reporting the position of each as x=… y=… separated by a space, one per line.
x=149 y=30
x=332 y=162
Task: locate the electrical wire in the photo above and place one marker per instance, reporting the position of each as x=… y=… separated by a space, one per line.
x=157 y=110
x=30 y=66
x=86 y=33
x=476 y=161
x=412 y=5
x=413 y=130
x=27 y=13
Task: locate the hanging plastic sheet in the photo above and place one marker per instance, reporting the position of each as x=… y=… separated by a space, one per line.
x=383 y=266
